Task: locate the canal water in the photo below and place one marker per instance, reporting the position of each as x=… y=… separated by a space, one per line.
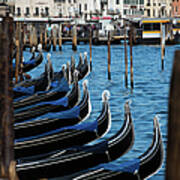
x=148 y=99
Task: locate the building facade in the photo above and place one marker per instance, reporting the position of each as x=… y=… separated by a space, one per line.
x=86 y=9
x=34 y=8
x=175 y=8
x=157 y=8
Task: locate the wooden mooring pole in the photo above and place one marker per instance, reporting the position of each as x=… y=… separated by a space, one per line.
x=45 y=38
x=54 y=37
x=109 y=56
x=7 y=163
x=18 y=30
x=173 y=145
x=74 y=38
x=162 y=45
x=60 y=37
x=125 y=58
x=131 y=56
x=90 y=47
x=21 y=51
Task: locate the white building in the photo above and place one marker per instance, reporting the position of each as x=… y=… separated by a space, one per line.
x=86 y=9
x=34 y=8
x=157 y=8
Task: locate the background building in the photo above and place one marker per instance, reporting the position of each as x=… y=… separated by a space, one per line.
x=157 y=8
x=34 y=8
x=175 y=8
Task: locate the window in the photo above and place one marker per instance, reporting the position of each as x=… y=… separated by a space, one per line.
x=85 y=7
x=27 y=11
x=141 y=1
x=69 y=1
x=47 y=11
x=37 y=11
x=18 y=11
x=80 y=9
x=148 y=13
x=117 y=2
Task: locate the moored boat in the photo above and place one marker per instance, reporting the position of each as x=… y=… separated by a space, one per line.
x=65 y=137
x=74 y=159
x=67 y=102
x=51 y=121
x=140 y=168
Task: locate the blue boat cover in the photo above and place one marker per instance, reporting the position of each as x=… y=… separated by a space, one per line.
x=91 y=126
x=25 y=90
x=60 y=102
x=59 y=86
x=68 y=114
x=129 y=166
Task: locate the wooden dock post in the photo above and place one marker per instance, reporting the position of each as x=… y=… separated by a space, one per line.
x=7 y=163
x=18 y=52
x=41 y=36
x=162 y=45
x=173 y=145
x=60 y=37
x=21 y=51
x=35 y=39
x=109 y=56
x=131 y=56
x=125 y=58
x=74 y=38
x=45 y=38
x=90 y=47
x=54 y=37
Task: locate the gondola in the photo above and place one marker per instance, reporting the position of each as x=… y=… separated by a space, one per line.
x=23 y=89
x=55 y=93
x=67 y=102
x=74 y=159
x=32 y=63
x=51 y=121
x=140 y=168
x=84 y=69
x=29 y=87
x=65 y=137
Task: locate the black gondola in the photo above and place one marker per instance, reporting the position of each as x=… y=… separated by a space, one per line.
x=51 y=121
x=30 y=87
x=79 y=158
x=67 y=102
x=25 y=89
x=55 y=93
x=65 y=137
x=32 y=63
x=141 y=168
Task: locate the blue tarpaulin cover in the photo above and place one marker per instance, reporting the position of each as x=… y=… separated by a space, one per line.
x=68 y=114
x=90 y=126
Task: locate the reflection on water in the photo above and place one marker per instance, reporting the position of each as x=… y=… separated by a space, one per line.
x=149 y=97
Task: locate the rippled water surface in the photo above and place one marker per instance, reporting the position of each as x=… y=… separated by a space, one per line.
x=148 y=99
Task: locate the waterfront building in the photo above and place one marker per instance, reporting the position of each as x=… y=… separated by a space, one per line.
x=175 y=8
x=157 y=8
x=34 y=8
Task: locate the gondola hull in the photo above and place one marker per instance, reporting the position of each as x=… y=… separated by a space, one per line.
x=79 y=158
